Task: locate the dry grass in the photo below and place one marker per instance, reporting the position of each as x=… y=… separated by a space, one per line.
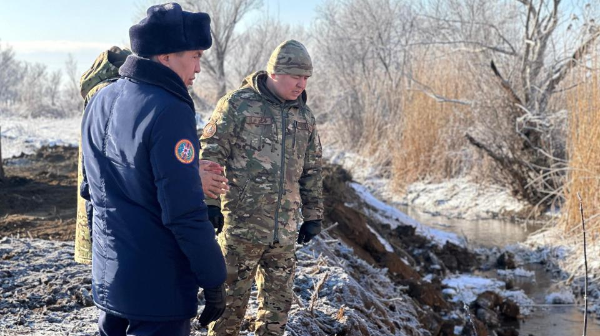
x=583 y=145
x=429 y=141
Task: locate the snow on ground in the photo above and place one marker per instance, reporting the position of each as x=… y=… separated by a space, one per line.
x=562 y=297
x=517 y=272
x=388 y=214
x=45 y=292
x=462 y=198
x=383 y=241
x=466 y=287
x=456 y=198
x=22 y=135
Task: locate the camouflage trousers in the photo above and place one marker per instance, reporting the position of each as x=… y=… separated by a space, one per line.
x=273 y=268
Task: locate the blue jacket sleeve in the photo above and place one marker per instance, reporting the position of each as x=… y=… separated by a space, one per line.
x=174 y=158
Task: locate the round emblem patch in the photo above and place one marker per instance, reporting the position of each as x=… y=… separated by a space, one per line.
x=209 y=130
x=184 y=151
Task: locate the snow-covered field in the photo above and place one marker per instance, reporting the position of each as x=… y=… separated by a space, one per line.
x=456 y=198
x=21 y=135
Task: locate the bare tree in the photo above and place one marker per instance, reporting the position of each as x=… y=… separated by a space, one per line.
x=361 y=56
x=11 y=73
x=1 y=165
x=521 y=52
x=225 y=17
x=72 y=96
x=52 y=91
x=256 y=43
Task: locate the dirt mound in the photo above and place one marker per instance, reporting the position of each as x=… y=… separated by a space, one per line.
x=38 y=194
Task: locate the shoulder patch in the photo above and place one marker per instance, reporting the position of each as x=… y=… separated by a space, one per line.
x=184 y=151
x=209 y=130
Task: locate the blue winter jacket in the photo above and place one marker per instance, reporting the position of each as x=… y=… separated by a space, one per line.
x=153 y=245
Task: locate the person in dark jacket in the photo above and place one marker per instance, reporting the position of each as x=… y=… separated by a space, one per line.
x=153 y=245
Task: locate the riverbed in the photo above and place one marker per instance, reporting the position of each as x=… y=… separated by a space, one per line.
x=545 y=319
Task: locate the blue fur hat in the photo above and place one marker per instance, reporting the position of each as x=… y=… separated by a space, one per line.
x=168 y=29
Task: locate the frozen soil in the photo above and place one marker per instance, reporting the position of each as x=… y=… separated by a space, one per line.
x=38 y=194
x=44 y=292
x=374 y=271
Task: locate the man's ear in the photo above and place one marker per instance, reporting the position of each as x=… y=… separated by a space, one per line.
x=272 y=76
x=163 y=59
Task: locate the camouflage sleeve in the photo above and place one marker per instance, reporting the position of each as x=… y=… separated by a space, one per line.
x=311 y=181
x=218 y=137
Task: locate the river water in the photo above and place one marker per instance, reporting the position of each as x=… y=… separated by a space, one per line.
x=545 y=320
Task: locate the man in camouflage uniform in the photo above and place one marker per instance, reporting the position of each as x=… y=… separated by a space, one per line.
x=266 y=137
x=103 y=72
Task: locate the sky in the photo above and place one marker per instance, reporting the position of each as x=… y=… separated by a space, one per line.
x=43 y=31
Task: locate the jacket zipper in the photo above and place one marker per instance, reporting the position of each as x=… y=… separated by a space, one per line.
x=281 y=175
x=295 y=129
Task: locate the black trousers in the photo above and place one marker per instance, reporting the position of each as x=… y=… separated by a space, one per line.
x=111 y=325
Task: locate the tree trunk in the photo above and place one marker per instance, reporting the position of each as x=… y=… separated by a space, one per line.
x=221 y=75
x=1 y=167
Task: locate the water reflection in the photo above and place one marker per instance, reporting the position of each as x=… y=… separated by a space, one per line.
x=545 y=320
x=484 y=233
x=551 y=320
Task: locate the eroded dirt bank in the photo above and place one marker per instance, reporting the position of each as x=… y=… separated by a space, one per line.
x=367 y=274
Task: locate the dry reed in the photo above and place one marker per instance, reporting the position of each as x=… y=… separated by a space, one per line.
x=429 y=138
x=583 y=145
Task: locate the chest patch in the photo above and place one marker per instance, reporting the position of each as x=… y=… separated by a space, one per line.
x=259 y=120
x=184 y=151
x=304 y=126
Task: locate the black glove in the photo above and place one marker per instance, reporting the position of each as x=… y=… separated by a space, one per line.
x=216 y=217
x=215 y=305
x=308 y=230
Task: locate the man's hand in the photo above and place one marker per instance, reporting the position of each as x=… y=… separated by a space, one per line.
x=213 y=182
x=308 y=230
x=216 y=217
x=215 y=305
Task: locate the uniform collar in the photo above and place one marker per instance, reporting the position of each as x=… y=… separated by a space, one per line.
x=147 y=71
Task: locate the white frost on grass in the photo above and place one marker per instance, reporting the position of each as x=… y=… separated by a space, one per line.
x=22 y=135
x=382 y=240
x=26 y=135
x=463 y=198
x=393 y=217
x=466 y=288
x=455 y=198
x=562 y=297
x=517 y=272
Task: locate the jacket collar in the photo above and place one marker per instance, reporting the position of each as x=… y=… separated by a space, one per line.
x=147 y=71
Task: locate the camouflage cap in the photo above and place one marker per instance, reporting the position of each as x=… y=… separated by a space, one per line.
x=291 y=58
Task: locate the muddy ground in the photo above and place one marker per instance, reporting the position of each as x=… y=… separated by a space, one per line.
x=38 y=195
x=38 y=200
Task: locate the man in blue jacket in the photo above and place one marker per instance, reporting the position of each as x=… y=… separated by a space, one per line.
x=153 y=246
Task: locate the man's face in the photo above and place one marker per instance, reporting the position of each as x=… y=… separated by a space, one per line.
x=186 y=64
x=289 y=87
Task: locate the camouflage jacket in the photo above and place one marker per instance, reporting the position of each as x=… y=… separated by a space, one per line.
x=103 y=72
x=272 y=156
